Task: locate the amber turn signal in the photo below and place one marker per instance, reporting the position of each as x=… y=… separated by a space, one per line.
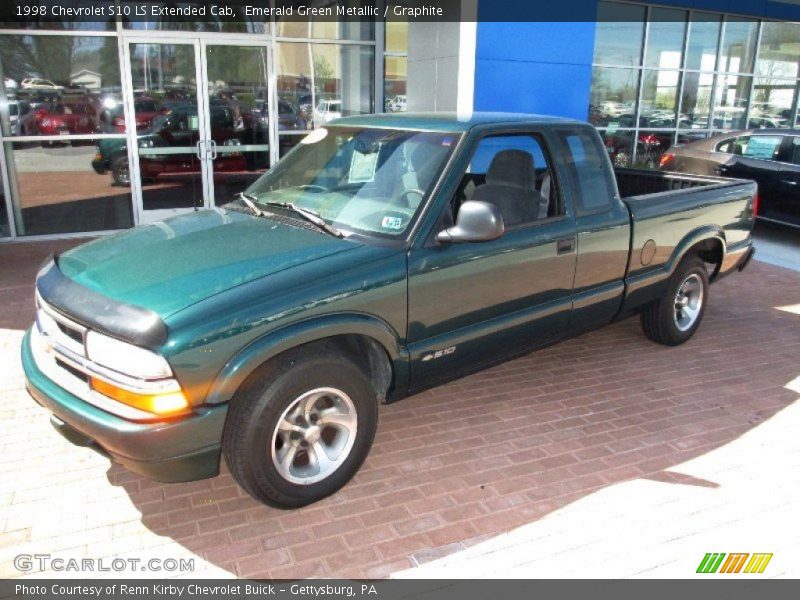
x=163 y=405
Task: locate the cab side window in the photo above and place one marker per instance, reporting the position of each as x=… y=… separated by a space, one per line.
x=513 y=173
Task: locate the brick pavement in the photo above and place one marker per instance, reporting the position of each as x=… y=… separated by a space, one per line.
x=581 y=447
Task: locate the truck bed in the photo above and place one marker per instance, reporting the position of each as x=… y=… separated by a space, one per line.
x=644 y=182
x=665 y=210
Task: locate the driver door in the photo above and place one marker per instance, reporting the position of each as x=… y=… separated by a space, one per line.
x=474 y=304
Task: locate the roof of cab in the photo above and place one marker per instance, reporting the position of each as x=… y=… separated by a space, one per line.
x=448 y=121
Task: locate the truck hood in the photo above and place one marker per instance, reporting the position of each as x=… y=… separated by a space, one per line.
x=169 y=265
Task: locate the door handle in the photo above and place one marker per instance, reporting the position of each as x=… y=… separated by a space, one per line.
x=212 y=148
x=565 y=245
x=200 y=150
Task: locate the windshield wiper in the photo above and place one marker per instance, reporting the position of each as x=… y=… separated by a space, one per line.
x=308 y=215
x=250 y=201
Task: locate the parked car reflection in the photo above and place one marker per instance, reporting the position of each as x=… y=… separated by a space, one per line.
x=57 y=119
x=112 y=120
x=177 y=129
x=771 y=157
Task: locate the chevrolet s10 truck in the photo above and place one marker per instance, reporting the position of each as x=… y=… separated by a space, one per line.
x=385 y=254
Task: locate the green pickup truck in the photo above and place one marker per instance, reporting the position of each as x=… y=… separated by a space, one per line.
x=384 y=255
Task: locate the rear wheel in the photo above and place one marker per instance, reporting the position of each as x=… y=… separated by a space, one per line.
x=301 y=429
x=676 y=316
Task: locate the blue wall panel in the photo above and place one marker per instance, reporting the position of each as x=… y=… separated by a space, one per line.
x=531 y=87
x=535 y=67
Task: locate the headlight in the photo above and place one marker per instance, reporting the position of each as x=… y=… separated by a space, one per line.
x=165 y=400
x=125 y=358
x=145 y=143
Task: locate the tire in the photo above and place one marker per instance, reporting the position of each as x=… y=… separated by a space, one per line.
x=663 y=321
x=120 y=171
x=266 y=428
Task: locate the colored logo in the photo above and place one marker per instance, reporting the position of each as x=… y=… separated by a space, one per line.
x=741 y=562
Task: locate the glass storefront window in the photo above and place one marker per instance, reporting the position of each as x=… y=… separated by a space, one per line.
x=325 y=81
x=396 y=76
x=396 y=36
x=687 y=137
x=695 y=74
x=59 y=190
x=650 y=146
x=659 y=98
x=665 y=38
x=738 y=45
x=343 y=80
x=779 y=50
x=240 y=23
x=58 y=85
x=730 y=101
x=237 y=86
x=619 y=35
x=619 y=145
x=395 y=65
x=243 y=26
x=286 y=143
x=613 y=97
x=701 y=51
x=326 y=27
x=696 y=100
x=772 y=102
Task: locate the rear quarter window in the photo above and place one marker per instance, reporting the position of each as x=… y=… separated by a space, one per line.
x=589 y=173
x=726 y=146
x=764 y=147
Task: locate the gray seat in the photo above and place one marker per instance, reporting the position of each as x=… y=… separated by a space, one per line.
x=511 y=187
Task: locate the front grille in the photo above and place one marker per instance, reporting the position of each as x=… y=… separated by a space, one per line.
x=72 y=370
x=71 y=333
x=62 y=330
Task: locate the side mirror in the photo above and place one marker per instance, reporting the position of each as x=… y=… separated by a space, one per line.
x=476 y=222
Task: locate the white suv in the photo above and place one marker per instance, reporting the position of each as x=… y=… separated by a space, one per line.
x=40 y=84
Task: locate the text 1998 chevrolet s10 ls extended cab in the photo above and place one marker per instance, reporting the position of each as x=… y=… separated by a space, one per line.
x=384 y=255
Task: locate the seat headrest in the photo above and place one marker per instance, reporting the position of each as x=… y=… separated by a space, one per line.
x=426 y=158
x=514 y=168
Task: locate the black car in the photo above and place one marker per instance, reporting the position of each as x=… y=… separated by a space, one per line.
x=771 y=157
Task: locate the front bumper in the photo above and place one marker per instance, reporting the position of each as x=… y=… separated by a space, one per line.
x=183 y=449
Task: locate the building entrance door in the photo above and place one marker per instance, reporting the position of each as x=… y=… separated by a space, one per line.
x=201 y=114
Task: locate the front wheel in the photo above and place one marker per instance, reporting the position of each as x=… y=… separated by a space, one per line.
x=301 y=429
x=121 y=171
x=676 y=316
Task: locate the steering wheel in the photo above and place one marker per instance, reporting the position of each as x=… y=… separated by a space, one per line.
x=405 y=193
x=312 y=188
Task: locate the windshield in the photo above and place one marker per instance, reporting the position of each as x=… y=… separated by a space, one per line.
x=362 y=180
x=145 y=106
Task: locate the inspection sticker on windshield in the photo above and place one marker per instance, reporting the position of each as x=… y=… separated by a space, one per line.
x=392 y=223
